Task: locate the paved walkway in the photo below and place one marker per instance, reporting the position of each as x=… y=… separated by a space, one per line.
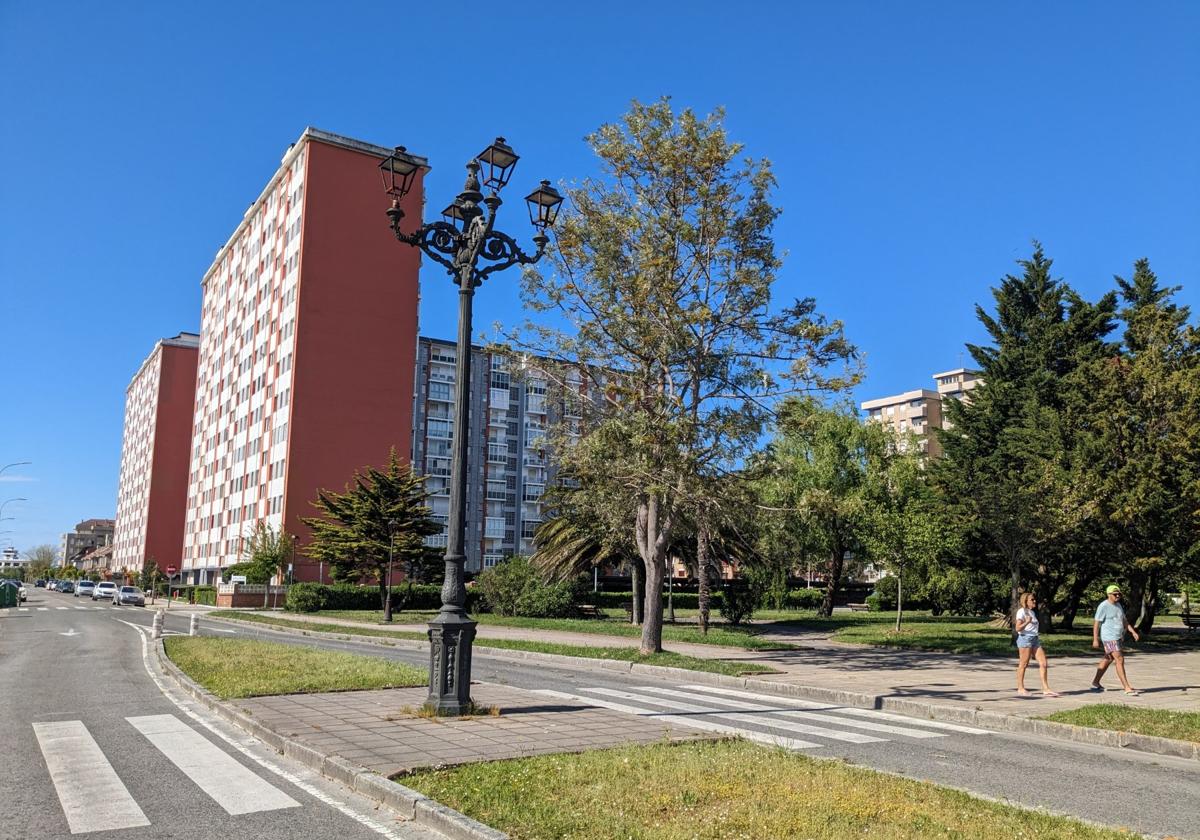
x=1166 y=680
x=377 y=730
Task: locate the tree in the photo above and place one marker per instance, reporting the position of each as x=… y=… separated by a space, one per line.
x=1011 y=472
x=42 y=556
x=905 y=529
x=379 y=510
x=814 y=480
x=661 y=296
x=1146 y=443
x=266 y=551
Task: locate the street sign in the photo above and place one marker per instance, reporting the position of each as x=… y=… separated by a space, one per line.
x=171 y=571
x=237 y=579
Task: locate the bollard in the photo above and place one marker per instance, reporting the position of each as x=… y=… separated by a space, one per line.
x=156 y=627
x=193 y=625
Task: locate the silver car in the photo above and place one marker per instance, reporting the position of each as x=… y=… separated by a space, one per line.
x=105 y=589
x=129 y=595
x=84 y=587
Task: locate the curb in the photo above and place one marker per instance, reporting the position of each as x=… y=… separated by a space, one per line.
x=406 y=802
x=951 y=714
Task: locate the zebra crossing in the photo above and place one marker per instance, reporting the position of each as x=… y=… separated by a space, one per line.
x=763 y=718
x=94 y=798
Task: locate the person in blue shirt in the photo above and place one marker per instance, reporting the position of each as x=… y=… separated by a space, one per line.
x=1109 y=629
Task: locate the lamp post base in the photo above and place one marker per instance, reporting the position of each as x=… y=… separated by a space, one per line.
x=451 y=635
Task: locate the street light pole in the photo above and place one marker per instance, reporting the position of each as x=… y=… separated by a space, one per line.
x=13 y=499
x=461 y=242
x=387 y=601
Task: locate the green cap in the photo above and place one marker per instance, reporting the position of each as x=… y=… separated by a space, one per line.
x=1111 y=588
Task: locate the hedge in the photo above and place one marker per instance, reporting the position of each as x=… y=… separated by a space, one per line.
x=206 y=595
x=312 y=597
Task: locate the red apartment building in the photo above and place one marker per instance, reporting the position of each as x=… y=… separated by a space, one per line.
x=154 y=457
x=308 y=338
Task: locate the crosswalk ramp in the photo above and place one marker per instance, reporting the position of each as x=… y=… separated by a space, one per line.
x=94 y=798
x=763 y=718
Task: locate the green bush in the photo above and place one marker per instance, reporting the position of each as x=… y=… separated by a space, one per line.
x=875 y=603
x=804 y=599
x=206 y=595
x=516 y=588
x=958 y=592
x=305 y=597
x=739 y=600
x=313 y=597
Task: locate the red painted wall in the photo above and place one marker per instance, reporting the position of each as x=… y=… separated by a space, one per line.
x=356 y=333
x=167 y=504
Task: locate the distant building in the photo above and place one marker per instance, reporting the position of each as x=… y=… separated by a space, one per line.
x=916 y=411
x=508 y=467
x=88 y=534
x=155 y=451
x=308 y=336
x=922 y=411
x=11 y=560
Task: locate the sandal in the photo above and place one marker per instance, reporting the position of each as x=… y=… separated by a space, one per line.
x=1133 y=692
x=1051 y=694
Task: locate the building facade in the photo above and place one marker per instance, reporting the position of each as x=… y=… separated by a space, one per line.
x=308 y=338
x=508 y=470
x=157 y=438
x=923 y=410
x=88 y=535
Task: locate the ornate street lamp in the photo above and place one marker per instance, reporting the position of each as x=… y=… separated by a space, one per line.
x=467 y=244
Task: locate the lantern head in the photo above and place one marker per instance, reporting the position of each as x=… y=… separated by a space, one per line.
x=544 y=203
x=498 y=161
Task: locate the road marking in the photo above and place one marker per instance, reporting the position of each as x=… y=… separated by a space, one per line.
x=42 y=609
x=784 y=708
x=743 y=718
x=705 y=725
x=231 y=785
x=312 y=790
x=81 y=608
x=70 y=632
x=92 y=796
x=62 y=608
x=850 y=710
x=22 y=609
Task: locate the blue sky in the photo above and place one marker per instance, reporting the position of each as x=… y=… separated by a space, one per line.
x=919 y=147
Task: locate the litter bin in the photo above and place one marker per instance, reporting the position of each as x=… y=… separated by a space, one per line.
x=8 y=595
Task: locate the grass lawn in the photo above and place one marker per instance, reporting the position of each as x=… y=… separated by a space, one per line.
x=963 y=634
x=675 y=660
x=232 y=668
x=1184 y=726
x=722 y=789
x=720 y=635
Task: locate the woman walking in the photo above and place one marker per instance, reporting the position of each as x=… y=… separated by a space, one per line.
x=1029 y=644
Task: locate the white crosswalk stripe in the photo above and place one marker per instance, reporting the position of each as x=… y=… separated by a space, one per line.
x=43 y=609
x=788 y=711
x=712 y=709
x=230 y=784
x=870 y=714
x=93 y=797
x=695 y=723
x=22 y=609
x=62 y=608
x=759 y=716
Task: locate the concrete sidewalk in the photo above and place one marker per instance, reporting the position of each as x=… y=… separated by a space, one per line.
x=1167 y=680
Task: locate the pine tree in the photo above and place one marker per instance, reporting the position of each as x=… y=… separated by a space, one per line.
x=381 y=511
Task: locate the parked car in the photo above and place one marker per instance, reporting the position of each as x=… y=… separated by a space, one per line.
x=104 y=590
x=39 y=583
x=66 y=586
x=52 y=584
x=85 y=587
x=129 y=595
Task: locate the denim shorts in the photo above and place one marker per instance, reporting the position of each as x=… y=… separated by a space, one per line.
x=1031 y=642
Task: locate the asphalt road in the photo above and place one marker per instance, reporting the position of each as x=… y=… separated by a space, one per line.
x=1154 y=795
x=90 y=746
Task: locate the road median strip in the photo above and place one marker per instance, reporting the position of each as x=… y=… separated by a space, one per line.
x=407 y=803
x=912 y=708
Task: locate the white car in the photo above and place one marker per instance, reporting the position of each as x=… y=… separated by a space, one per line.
x=104 y=590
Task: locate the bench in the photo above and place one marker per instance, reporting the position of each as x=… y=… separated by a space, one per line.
x=1191 y=620
x=858 y=607
x=589 y=611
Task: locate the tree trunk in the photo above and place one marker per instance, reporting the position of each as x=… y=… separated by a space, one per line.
x=1071 y=604
x=899 y=594
x=837 y=559
x=671 y=591
x=383 y=594
x=651 y=541
x=1148 y=605
x=635 y=614
x=1014 y=590
x=702 y=597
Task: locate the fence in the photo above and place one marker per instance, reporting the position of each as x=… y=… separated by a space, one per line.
x=231 y=595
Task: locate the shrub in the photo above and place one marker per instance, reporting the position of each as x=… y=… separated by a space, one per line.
x=311 y=597
x=959 y=592
x=804 y=599
x=205 y=595
x=515 y=587
x=305 y=597
x=874 y=602
x=738 y=601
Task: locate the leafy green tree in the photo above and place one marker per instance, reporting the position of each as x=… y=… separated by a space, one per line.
x=815 y=480
x=1011 y=472
x=379 y=510
x=1146 y=443
x=662 y=293
x=905 y=528
x=266 y=551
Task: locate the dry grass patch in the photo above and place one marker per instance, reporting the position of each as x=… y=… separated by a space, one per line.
x=231 y=668
x=723 y=790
